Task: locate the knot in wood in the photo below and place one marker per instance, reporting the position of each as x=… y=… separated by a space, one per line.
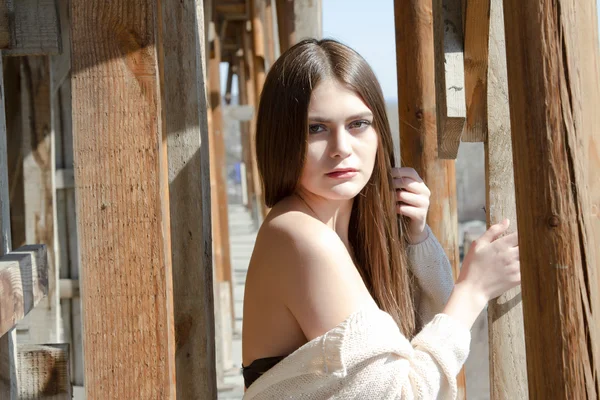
x=419 y=115
x=553 y=221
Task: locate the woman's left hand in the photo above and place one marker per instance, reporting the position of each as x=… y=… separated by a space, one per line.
x=412 y=200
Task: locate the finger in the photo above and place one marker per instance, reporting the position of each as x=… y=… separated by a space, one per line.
x=411 y=185
x=510 y=240
x=494 y=232
x=409 y=211
x=412 y=199
x=406 y=172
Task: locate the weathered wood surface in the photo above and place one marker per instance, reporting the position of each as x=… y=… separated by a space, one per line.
x=14 y=122
x=508 y=370
x=285 y=24
x=23 y=283
x=185 y=111
x=477 y=28
x=44 y=372
x=8 y=351
x=553 y=64
x=418 y=118
x=258 y=53
x=42 y=325
x=308 y=16
x=32 y=27
x=449 y=76
x=270 y=33
x=122 y=185
x=251 y=91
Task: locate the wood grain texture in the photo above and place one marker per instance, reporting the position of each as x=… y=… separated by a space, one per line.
x=554 y=91
x=42 y=325
x=23 y=283
x=44 y=372
x=417 y=110
x=186 y=126
x=477 y=28
x=33 y=27
x=286 y=24
x=308 y=16
x=508 y=369
x=450 y=76
x=253 y=91
x=121 y=179
x=8 y=352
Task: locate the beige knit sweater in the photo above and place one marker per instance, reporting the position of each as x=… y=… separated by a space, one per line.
x=366 y=356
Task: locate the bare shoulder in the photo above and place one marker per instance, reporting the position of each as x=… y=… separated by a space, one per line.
x=316 y=277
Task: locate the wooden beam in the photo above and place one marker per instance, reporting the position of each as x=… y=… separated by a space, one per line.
x=258 y=52
x=23 y=283
x=246 y=127
x=43 y=324
x=65 y=178
x=121 y=178
x=257 y=200
x=14 y=137
x=185 y=121
x=32 y=27
x=308 y=19
x=508 y=369
x=9 y=385
x=554 y=87
x=44 y=371
x=450 y=122
x=477 y=31
x=415 y=52
x=269 y=33
x=449 y=76
x=286 y=24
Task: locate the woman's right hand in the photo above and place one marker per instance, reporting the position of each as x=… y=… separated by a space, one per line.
x=490 y=268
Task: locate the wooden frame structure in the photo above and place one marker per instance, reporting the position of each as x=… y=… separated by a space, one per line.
x=132 y=123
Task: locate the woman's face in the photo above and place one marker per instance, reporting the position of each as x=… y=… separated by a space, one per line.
x=342 y=143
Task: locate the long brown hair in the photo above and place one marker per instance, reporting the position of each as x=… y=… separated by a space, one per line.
x=375 y=233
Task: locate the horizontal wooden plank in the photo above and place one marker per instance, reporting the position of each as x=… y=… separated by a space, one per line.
x=44 y=372
x=231 y=8
x=23 y=283
x=33 y=27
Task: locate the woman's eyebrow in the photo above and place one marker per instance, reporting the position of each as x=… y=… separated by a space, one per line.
x=314 y=118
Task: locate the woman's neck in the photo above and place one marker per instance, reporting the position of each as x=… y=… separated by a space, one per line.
x=333 y=213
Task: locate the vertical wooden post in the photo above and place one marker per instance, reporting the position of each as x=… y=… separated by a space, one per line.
x=269 y=33
x=121 y=178
x=220 y=218
x=477 y=29
x=508 y=370
x=245 y=126
x=9 y=387
x=258 y=61
x=415 y=51
x=286 y=24
x=554 y=92
x=43 y=324
x=308 y=19
x=183 y=57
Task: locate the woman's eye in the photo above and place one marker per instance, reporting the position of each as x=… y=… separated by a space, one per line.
x=316 y=128
x=359 y=124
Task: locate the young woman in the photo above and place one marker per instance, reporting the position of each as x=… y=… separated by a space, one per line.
x=348 y=294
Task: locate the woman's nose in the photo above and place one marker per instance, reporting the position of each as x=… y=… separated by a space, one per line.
x=340 y=146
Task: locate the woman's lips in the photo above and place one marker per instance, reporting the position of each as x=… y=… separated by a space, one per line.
x=343 y=174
